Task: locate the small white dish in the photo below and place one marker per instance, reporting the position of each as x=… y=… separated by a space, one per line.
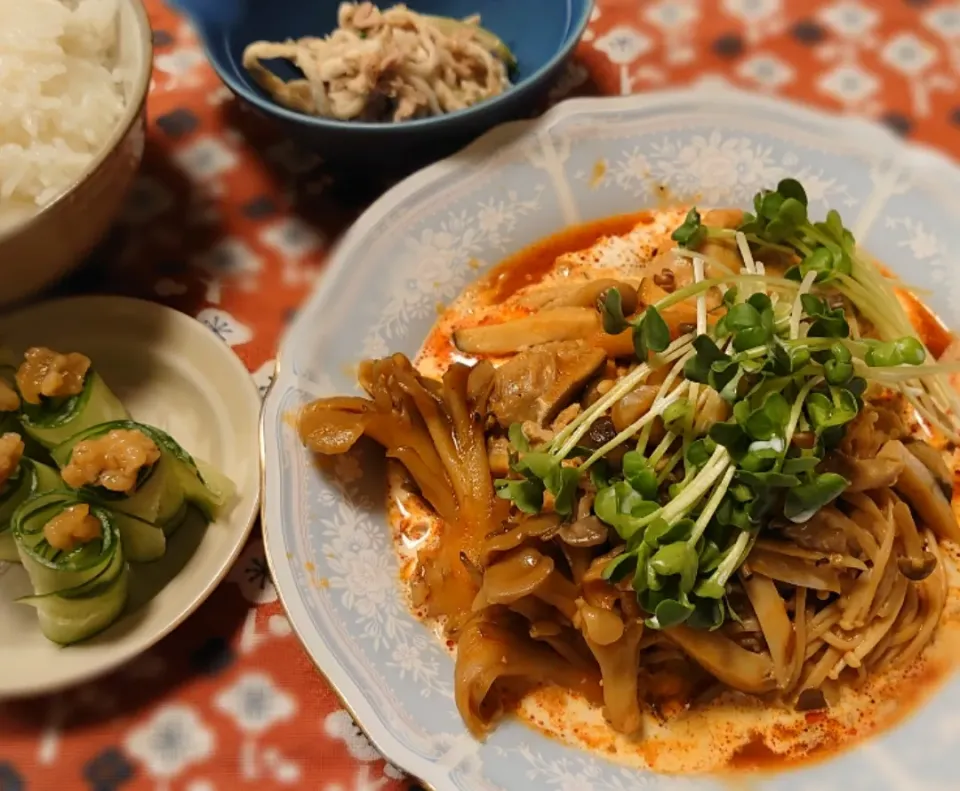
x=173 y=373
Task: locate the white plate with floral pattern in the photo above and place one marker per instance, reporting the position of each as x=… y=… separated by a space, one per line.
x=328 y=542
x=171 y=372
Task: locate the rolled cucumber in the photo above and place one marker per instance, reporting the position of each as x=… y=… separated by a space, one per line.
x=79 y=592
x=55 y=420
x=31 y=478
x=163 y=490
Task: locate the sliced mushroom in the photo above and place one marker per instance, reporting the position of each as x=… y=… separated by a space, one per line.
x=586 y=532
x=793 y=571
x=917 y=569
x=583 y=294
x=517 y=575
x=919 y=488
x=480 y=385
x=498 y=455
x=917 y=564
x=545 y=326
x=811 y=700
x=933 y=460
x=725 y=660
x=634 y=405
x=592 y=293
x=600 y=626
x=475 y=572
x=600 y=433
x=541 y=526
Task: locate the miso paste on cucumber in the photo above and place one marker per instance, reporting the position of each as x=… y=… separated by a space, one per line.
x=61 y=394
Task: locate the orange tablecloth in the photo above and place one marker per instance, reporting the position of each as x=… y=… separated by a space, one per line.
x=231 y=224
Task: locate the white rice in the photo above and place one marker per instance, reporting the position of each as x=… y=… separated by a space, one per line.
x=61 y=95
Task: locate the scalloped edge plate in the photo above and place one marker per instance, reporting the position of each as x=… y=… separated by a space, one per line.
x=927 y=168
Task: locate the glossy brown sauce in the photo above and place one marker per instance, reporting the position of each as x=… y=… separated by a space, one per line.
x=548 y=708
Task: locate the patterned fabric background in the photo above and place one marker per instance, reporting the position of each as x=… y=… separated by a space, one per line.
x=232 y=224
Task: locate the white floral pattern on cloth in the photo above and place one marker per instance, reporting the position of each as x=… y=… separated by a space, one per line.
x=230 y=331
x=340 y=725
x=256 y=704
x=252 y=574
x=229 y=262
x=174 y=738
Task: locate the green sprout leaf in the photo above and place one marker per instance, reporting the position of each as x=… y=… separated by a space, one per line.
x=691 y=233
x=619 y=567
x=730 y=436
x=517 y=438
x=903 y=351
x=833 y=410
x=651 y=334
x=660 y=532
x=800 y=465
x=805 y=500
x=699 y=367
x=710 y=589
x=611 y=310
x=600 y=474
x=525 y=494
x=638 y=473
x=793 y=189
x=563 y=486
x=622 y=507
x=537 y=465
x=671 y=612
x=700 y=451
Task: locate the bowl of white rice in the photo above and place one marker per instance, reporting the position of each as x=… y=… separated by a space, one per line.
x=74 y=76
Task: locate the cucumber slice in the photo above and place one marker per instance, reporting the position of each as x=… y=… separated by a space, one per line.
x=55 y=420
x=158 y=498
x=76 y=593
x=143 y=542
x=31 y=478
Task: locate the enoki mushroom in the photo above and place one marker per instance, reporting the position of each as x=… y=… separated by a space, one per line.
x=385 y=65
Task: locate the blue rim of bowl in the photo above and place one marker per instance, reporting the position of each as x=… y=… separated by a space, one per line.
x=574 y=34
x=131 y=112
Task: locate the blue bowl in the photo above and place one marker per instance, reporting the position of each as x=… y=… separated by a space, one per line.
x=541 y=34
